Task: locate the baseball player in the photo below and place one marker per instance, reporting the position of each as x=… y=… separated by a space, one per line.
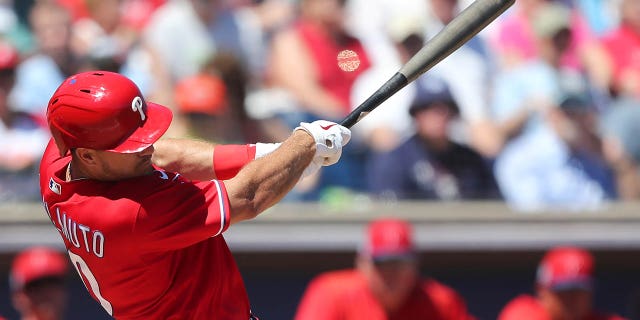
x=384 y=285
x=563 y=290
x=38 y=284
x=143 y=218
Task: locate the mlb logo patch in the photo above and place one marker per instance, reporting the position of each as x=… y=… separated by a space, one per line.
x=55 y=187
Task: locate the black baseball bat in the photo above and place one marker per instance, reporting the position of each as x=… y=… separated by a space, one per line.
x=457 y=32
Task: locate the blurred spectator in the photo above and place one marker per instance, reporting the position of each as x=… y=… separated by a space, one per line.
x=242 y=128
x=471 y=91
x=320 y=86
x=552 y=159
x=372 y=20
x=516 y=41
x=178 y=32
x=601 y=15
x=38 y=284
x=106 y=41
x=385 y=283
x=12 y=29
x=311 y=47
x=390 y=123
x=620 y=131
x=623 y=47
x=77 y=8
x=137 y=13
x=563 y=291
x=203 y=100
x=245 y=29
x=103 y=30
x=202 y=28
x=559 y=168
x=430 y=165
x=22 y=138
x=53 y=61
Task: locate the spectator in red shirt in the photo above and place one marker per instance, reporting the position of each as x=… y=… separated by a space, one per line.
x=623 y=46
x=385 y=284
x=564 y=290
x=38 y=286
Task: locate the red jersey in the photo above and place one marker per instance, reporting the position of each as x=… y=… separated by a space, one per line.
x=345 y=295
x=526 y=307
x=324 y=51
x=623 y=46
x=149 y=247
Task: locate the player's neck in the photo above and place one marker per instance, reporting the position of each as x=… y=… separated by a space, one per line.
x=73 y=173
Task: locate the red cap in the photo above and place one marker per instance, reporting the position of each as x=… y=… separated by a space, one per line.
x=565 y=268
x=389 y=238
x=9 y=56
x=202 y=93
x=36 y=263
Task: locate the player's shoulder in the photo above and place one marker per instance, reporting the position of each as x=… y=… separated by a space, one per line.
x=440 y=292
x=434 y=286
x=523 y=306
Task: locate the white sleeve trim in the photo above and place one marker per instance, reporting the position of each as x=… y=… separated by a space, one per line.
x=222 y=207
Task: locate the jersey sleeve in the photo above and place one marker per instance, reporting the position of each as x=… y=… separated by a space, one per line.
x=181 y=213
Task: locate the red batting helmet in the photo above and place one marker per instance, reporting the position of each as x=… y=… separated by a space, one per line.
x=104 y=111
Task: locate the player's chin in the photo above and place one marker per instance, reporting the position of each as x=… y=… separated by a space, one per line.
x=144 y=167
x=147 y=169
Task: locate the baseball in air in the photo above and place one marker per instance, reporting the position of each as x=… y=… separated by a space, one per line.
x=348 y=60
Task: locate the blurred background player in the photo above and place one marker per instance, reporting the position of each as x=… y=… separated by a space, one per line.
x=564 y=289
x=385 y=283
x=38 y=284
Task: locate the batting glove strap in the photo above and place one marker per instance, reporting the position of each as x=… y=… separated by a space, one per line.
x=330 y=137
x=312 y=168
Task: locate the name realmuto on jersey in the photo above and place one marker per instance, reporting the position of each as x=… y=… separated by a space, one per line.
x=78 y=235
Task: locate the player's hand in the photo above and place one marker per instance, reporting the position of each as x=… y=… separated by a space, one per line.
x=330 y=137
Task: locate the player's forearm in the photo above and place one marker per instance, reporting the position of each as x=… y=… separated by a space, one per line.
x=262 y=183
x=191 y=158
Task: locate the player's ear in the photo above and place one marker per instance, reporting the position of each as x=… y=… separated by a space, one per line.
x=87 y=156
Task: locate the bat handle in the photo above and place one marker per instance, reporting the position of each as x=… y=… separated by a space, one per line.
x=393 y=85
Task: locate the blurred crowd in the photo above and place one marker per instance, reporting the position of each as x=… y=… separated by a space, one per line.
x=538 y=110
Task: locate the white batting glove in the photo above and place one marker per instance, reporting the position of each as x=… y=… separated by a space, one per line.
x=313 y=167
x=330 y=137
